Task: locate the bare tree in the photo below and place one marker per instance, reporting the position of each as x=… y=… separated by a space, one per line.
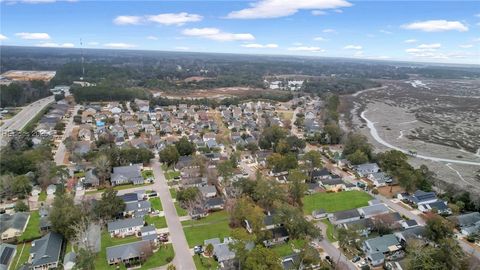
x=103 y=168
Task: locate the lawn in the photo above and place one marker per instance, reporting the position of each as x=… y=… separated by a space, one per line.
x=162 y=257
x=204 y=263
x=172 y=174
x=107 y=241
x=158 y=222
x=33 y=228
x=156 y=204
x=333 y=202
x=21 y=257
x=120 y=187
x=180 y=211
x=42 y=196
x=330 y=231
x=173 y=193
x=147 y=174
x=287 y=248
x=213 y=226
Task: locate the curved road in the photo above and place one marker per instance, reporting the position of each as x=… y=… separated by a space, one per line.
x=374 y=133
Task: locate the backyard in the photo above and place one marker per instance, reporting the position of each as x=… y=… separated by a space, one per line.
x=156 y=204
x=334 y=202
x=204 y=263
x=32 y=231
x=214 y=225
x=21 y=257
x=107 y=241
x=163 y=256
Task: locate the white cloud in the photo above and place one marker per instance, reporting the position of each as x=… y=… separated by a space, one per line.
x=385 y=32
x=281 y=8
x=216 y=34
x=93 y=43
x=318 y=13
x=181 y=48
x=410 y=40
x=2 y=37
x=466 y=46
x=174 y=18
x=260 y=46
x=353 y=47
x=25 y=35
x=436 y=26
x=425 y=50
x=126 y=20
x=119 y=45
x=320 y=39
x=152 y=38
x=306 y=49
x=329 y=30
x=56 y=45
x=430 y=46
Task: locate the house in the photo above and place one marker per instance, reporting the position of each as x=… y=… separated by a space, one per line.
x=137 y=208
x=127 y=175
x=379 y=179
x=84 y=133
x=208 y=191
x=376 y=248
x=344 y=216
x=321 y=174
x=407 y=224
x=279 y=235
x=439 y=206
x=468 y=223
x=292 y=262
x=367 y=168
x=82 y=147
x=149 y=233
x=333 y=184
x=51 y=189
x=91 y=178
x=362 y=226
x=213 y=204
x=69 y=260
x=221 y=251
x=125 y=227
x=7 y=253
x=131 y=252
x=421 y=197
x=45 y=252
x=14 y=225
x=373 y=210
x=417 y=232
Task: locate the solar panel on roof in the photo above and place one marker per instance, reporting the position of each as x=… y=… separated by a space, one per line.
x=6 y=255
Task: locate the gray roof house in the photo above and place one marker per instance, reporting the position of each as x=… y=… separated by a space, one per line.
x=127 y=252
x=377 y=247
x=208 y=191
x=45 y=252
x=373 y=210
x=344 y=216
x=221 y=251
x=422 y=197
x=124 y=227
x=138 y=208
x=468 y=223
x=91 y=178
x=127 y=175
x=13 y=225
x=367 y=168
x=7 y=253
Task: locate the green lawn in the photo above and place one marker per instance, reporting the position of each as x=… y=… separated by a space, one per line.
x=330 y=231
x=147 y=174
x=33 y=228
x=156 y=204
x=173 y=193
x=204 y=263
x=21 y=257
x=180 y=211
x=171 y=174
x=107 y=241
x=120 y=187
x=158 y=222
x=333 y=202
x=162 y=257
x=213 y=226
x=79 y=174
x=287 y=248
x=42 y=196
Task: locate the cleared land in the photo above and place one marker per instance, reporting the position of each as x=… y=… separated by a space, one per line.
x=334 y=202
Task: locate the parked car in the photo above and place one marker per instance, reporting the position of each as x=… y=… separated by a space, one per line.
x=356 y=259
x=152 y=194
x=198 y=249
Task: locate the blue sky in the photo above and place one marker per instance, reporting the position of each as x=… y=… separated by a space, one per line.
x=440 y=31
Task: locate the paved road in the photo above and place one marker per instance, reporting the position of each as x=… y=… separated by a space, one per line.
x=374 y=133
x=21 y=119
x=183 y=258
x=340 y=260
x=59 y=157
x=400 y=209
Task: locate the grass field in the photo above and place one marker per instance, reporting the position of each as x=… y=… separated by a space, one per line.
x=42 y=196
x=330 y=231
x=173 y=193
x=180 y=211
x=333 y=202
x=213 y=226
x=171 y=174
x=156 y=204
x=107 y=241
x=147 y=174
x=158 y=222
x=204 y=263
x=162 y=257
x=287 y=248
x=33 y=228
x=21 y=257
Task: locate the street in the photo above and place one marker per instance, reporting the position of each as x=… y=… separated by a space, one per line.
x=59 y=157
x=340 y=260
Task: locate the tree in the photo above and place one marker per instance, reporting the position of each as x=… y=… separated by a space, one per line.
x=245 y=210
x=312 y=159
x=45 y=171
x=109 y=205
x=85 y=260
x=102 y=168
x=334 y=132
x=187 y=195
x=64 y=214
x=21 y=185
x=225 y=169
x=294 y=221
x=446 y=255
x=209 y=250
x=171 y=267
x=358 y=157
x=262 y=258
x=6 y=183
x=169 y=155
x=21 y=206
x=271 y=136
x=296 y=187
x=185 y=147
x=438 y=228
x=357 y=141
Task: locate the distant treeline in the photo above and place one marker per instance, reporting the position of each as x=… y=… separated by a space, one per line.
x=19 y=94
x=339 y=86
x=107 y=93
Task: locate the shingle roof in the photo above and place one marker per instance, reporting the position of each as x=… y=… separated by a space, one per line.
x=124 y=223
x=16 y=221
x=346 y=214
x=46 y=249
x=126 y=251
x=382 y=243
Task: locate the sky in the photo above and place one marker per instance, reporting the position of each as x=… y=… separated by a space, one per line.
x=425 y=31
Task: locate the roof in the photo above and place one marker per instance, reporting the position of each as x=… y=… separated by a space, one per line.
x=422 y=196
x=320 y=173
x=439 y=205
x=290 y=262
x=46 y=249
x=6 y=254
x=124 y=223
x=346 y=214
x=147 y=229
x=126 y=251
x=378 y=256
x=16 y=221
x=467 y=219
x=70 y=257
x=130 y=173
x=367 y=167
x=129 y=197
x=214 y=201
x=134 y=206
x=279 y=232
x=207 y=189
x=412 y=233
x=373 y=210
x=332 y=182
x=382 y=243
